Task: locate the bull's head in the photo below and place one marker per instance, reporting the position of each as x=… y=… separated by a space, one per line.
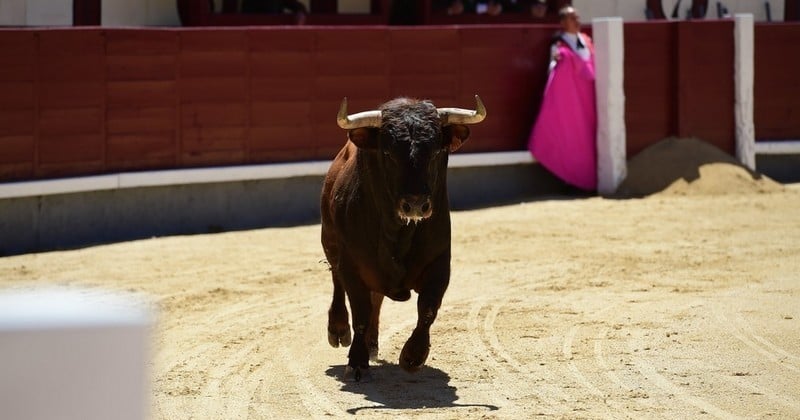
x=410 y=141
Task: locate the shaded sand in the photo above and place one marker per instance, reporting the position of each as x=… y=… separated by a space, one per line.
x=672 y=306
x=690 y=167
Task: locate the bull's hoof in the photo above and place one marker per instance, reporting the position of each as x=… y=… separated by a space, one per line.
x=357 y=374
x=412 y=365
x=343 y=338
x=414 y=354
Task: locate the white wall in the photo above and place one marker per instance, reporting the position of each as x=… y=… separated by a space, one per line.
x=12 y=12
x=36 y=12
x=353 y=6
x=633 y=10
x=628 y=10
x=754 y=7
x=165 y=13
x=139 y=13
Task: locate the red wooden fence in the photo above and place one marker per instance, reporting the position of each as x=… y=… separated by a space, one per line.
x=777 y=77
x=95 y=100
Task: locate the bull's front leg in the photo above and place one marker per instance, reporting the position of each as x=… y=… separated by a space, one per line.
x=433 y=284
x=374 y=325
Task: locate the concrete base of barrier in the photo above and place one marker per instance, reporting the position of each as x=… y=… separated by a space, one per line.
x=784 y=168
x=54 y=221
x=72 y=355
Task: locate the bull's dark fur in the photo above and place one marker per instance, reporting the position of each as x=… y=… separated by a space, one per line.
x=373 y=247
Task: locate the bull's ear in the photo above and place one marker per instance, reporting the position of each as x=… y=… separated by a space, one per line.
x=364 y=138
x=455 y=135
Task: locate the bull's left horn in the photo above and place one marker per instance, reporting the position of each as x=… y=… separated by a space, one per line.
x=360 y=120
x=463 y=116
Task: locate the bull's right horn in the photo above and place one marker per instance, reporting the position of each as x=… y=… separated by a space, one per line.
x=360 y=120
x=463 y=116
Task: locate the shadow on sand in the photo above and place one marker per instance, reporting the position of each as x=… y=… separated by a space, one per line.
x=394 y=389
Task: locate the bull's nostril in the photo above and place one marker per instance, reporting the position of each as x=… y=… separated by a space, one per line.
x=426 y=206
x=406 y=207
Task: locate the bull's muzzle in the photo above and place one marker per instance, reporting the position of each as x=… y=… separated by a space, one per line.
x=414 y=208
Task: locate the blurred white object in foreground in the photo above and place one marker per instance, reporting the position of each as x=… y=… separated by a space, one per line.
x=67 y=354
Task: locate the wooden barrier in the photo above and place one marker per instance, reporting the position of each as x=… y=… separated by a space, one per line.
x=92 y=101
x=86 y=101
x=777 y=104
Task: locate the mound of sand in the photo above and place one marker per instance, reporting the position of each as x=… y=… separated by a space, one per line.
x=690 y=167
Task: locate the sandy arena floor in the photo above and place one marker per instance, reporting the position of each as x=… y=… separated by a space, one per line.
x=673 y=306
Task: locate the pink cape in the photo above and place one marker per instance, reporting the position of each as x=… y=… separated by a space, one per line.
x=563 y=138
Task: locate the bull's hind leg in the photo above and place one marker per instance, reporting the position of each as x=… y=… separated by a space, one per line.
x=338 y=325
x=433 y=284
x=372 y=331
x=358 y=357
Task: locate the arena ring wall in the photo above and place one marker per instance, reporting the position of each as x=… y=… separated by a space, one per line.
x=81 y=103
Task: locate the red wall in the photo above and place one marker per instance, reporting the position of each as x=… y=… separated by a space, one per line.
x=777 y=77
x=679 y=82
x=88 y=101
x=92 y=100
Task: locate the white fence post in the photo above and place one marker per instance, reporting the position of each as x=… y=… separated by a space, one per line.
x=609 y=76
x=743 y=84
x=73 y=354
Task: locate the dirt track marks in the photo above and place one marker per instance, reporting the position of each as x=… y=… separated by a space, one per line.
x=666 y=307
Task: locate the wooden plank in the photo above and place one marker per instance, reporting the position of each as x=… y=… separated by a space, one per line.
x=149 y=93
x=16 y=171
x=141 y=42
x=439 y=88
x=272 y=40
x=375 y=88
x=776 y=106
x=16 y=148
x=231 y=63
x=217 y=114
x=17 y=95
x=19 y=121
x=140 y=120
x=366 y=40
x=66 y=121
x=73 y=149
x=219 y=39
x=203 y=139
x=351 y=63
x=705 y=82
x=194 y=158
x=280 y=137
x=424 y=62
x=141 y=67
x=282 y=64
x=71 y=94
x=68 y=68
x=127 y=149
x=273 y=113
x=17 y=68
x=213 y=89
x=651 y=98
x=67 y=42
x=19 y=43
x=430 y=38
x=281 y=89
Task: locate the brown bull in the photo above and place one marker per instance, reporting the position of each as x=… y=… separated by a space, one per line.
x=386 y=221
